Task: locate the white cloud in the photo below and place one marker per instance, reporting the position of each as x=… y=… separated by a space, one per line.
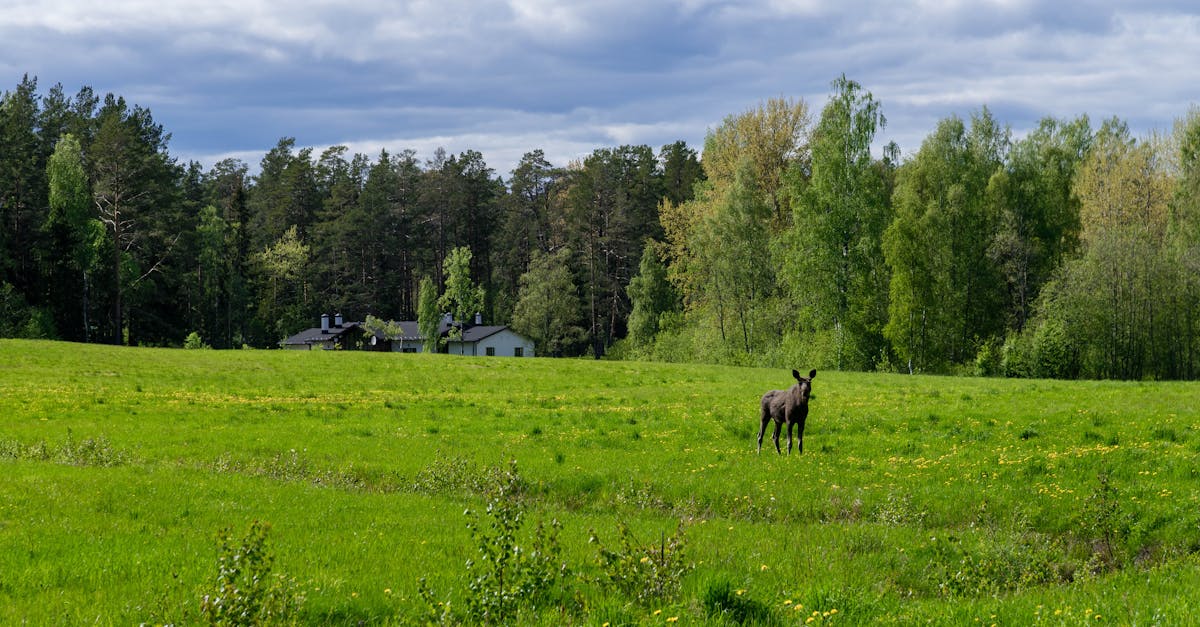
x=568 y=77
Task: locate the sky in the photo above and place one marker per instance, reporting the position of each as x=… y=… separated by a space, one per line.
x=229 y=78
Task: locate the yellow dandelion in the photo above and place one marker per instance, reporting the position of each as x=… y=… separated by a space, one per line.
x=740 y=592
x=387 y=590
x=763 y=567
x=833 y=611
x=657 y=612
x=809 y=619
x=799 y=606
x=353 y=595
x=787 y=602
x=645 y=559
x=1097 y=617
x=672 y=619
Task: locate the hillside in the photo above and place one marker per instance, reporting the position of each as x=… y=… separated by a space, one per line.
x=917 y=498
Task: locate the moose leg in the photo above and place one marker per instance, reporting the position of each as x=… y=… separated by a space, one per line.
x=778 y=425
x=790 y=424
x=762 y=429
x=800 y=438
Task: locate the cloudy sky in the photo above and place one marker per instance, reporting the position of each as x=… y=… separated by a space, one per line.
x=230 y=77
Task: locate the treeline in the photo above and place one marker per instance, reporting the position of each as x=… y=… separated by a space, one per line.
x=107 y=238
x=1071 y=252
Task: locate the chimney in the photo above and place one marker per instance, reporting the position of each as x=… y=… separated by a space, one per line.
x=478 y=318
x=324 y=323
x=337 y=320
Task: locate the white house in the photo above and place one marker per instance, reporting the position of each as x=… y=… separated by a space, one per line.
x=476 y=339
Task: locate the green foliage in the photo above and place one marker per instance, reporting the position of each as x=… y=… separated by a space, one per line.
x=833 y=268
x=1105 y=526
x=285 y=267
x=194 y=341
x=246 y=592
x=507 y=574
x=945 y=293
x=643 y=572
x=462 y=298
x=651 y=295
x=389 y=329
x=428 y=319
x=547 y=307
x=722 y=602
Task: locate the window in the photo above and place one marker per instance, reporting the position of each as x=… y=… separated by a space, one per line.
x=519 y=352
x=408 y=349
x=491 y=351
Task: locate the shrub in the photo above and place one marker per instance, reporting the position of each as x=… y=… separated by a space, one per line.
x=1015 y=360
x=1053 y=355
x=507 y=574
x=246 y=592
x=194 y=342
x=989 y=361
x=643 y=572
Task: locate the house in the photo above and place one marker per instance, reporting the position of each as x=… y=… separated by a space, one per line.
x=340 y=335
x=475 y=338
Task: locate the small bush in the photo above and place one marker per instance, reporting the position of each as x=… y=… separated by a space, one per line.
x=1105 y=525
x=194 y=342
x=508 y=574
x=643 y=572
x=1054 y=356
x=1015 y=360
x=246 y=592
x=989 y=361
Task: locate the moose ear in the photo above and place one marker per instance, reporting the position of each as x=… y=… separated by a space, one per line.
x=812 y=373
x=796 y=375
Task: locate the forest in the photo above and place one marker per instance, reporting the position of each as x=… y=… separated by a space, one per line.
x=789 y=238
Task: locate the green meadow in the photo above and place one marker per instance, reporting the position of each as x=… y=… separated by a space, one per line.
x=917 y=499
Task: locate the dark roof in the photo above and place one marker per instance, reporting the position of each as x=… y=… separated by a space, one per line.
x=473 y=333
x=477 y=333
x=315 y=334
x=408 y=332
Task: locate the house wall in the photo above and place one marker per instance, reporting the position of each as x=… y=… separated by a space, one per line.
x=407 y=346
x=505 y=344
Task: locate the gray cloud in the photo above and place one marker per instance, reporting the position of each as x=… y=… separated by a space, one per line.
x=232 y=76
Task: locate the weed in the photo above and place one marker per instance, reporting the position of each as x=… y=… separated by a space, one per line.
x=246 y=592
x=721 y=601
x=1105 y=525
x=1167 y=434
x=643 y=572
x=92 y=452
x=451 y=476
x=508 y=574
x=900 y=511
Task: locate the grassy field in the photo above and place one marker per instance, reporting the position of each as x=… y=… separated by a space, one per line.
x=917 y=499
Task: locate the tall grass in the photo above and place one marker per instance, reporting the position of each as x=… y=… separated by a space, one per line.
x=917 y=499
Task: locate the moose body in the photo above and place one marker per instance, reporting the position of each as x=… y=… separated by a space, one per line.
x=789 y=407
